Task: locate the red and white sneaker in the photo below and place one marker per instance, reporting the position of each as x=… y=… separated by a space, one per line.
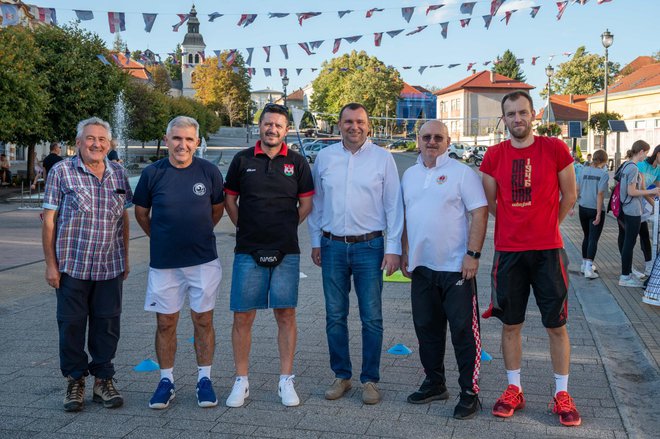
x=565 y=408
x=511 y=400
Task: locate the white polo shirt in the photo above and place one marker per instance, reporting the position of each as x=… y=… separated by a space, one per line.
x=437 y=201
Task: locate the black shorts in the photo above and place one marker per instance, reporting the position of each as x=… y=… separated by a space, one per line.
x=515 y=272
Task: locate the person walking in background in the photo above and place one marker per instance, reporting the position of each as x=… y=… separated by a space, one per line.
x=592 y=187
x=650 y=170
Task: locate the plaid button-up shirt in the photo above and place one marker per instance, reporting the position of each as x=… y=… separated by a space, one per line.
x=89 y=242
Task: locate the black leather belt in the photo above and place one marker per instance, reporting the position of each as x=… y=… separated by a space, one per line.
x=352 y=239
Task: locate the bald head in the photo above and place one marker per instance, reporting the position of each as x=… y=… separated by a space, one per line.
x=432 y=141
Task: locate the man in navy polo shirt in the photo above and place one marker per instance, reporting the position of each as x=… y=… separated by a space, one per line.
x=178 y=201
x=275 y=187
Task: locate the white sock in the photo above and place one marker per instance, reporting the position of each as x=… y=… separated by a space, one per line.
x=584 y=263
x=284 y=377
x=167 y=373
x=243 y=378
x=588 y=266
x=514 y=377
x=561 y=383
x=203 y=372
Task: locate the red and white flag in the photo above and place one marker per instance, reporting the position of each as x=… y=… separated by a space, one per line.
x=267 y=50
x=117 y=22
x=378 y=38
x=562 y=7
x=371 y=11
x=335 y=47
x=433 y=8
x=246 y=19
x=495 y=6
x=305 y=15
x=182 y=19
x=465 y=21
x=231 y=57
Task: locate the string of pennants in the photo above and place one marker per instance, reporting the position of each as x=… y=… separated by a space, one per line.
x=117 y=20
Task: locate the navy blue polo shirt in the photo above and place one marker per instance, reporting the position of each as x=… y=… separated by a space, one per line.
x=268 y=191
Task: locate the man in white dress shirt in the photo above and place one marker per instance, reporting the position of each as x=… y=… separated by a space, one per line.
x=355 y=227
x=441 y=250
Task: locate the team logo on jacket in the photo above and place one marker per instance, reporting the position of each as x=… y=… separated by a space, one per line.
x=199 y=189
x=441 y=180
x=288 y=169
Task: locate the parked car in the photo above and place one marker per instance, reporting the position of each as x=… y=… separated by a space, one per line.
x=312 y=149
x=456 y=150
x=472 y=151
x=396 y=144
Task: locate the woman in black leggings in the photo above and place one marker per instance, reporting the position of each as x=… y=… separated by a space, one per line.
x=650 y=170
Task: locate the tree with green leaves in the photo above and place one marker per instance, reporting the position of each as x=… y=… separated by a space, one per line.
x=598 y=121
x=148 y=112
x=160 y=78
x=583 y=74
x=508 y=66
x=224 y=88
x=355 y=77
x=173 y=63
x=118 y=45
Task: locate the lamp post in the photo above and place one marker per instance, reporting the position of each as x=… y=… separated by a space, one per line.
x=285 y=82
x=549 y=71
x=607 y=38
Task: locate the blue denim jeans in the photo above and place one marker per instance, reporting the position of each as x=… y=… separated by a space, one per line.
x=361 y=260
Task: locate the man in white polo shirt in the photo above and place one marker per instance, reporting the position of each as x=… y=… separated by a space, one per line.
x=441 y=250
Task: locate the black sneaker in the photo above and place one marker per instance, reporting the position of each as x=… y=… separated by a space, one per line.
x=428 y=392
x=467 y=406
x=75 y=394
x=106 y=393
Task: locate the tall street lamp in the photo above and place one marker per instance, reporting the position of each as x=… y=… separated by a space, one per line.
x=285 y=82
x=549 y=71
x=607 y=38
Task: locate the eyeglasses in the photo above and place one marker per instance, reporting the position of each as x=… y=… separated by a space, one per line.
x=436 y=138
x=276 y=107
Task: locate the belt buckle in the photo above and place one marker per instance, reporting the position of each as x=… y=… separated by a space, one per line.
x=347 y=240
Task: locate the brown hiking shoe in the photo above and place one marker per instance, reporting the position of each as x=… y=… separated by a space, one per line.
x=338 y=388
x=106 y=393
x=370 y=393
x=75 y=394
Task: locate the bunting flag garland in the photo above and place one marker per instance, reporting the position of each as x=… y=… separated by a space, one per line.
x=115 y=58
x=535 y=10
x=315 y=44
x=282 y=73
x=217 y=55
x=486 y=63
x=335 y=47
x=520 y=61
x=342 y=13
x=465 y=22
x=117 y=22
x=534 y=58
x=567 y=54
x=306 y=48
x=182 y=19
x=352 y=39
x=467 y=7
x=9 y=15
x=495 y=6
x=406 y=67
x=433 y=8
x=249 y=58
x=149 y=20
x=470 y=65
x=103 y=60
x=562 y=7
x=85 y=16
x=214 y=15
x=444 y=29
x=451 y=66
x=305 y=15
x=266 y=72
x=507 y=16
x=285 y=51
x=582 y=2
x=487 y=20
x=231 y=57
x=251 y=71
x=277 y=14
x=246 y=20
x=298 y=71
x=173 y=56
x=378 y=37
x=394 y=33
x=267 y=50
x=45 y=15
x=600 y=2
x=421 y=69
x=407 y=13
x=371 y=11
x=416 y=31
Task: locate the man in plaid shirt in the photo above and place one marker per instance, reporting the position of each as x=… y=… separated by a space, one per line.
x=85 y=241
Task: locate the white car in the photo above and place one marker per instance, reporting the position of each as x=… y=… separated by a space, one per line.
x=456 y=150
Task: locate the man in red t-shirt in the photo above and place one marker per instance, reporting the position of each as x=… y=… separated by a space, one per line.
x=530 y=186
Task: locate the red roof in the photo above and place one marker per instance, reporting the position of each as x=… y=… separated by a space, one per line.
x=134 y=68
x=564 y=110
x=638 y=62
x=644 y=77
x=297 y=95
x=483 y=80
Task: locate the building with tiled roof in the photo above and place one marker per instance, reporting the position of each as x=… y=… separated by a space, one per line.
x=471 y=107
x=636 y=97
x=136 y=69
x=415 y=102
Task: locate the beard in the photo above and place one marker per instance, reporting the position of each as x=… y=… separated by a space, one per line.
x=521 y=135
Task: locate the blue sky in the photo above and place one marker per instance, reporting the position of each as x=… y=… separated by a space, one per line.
x=631 y=21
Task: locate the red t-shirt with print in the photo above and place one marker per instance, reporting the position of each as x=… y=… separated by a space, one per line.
x=527 y=215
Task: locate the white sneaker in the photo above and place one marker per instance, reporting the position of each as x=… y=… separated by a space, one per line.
x=630 y=281
x=638 y=274
x=287 y=392
x=593 y=267
x=590 y=274
x=239 y=392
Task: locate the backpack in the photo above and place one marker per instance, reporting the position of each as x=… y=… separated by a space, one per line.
x=616 y=205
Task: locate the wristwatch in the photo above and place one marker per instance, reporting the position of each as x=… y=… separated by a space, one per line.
x=475 y=255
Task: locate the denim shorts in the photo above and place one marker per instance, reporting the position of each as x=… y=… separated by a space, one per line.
x=255 y=287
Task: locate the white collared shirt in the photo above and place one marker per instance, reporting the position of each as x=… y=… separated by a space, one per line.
x=355 y=194
x=437 y=201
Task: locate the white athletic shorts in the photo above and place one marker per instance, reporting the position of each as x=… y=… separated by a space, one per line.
x=167 y=288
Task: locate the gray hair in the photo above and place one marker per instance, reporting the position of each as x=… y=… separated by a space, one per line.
x=93 y=121
x=182 y=122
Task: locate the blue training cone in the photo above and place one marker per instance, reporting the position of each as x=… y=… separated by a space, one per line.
x=399 y=349
x=147 y=365
x=485 y=356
